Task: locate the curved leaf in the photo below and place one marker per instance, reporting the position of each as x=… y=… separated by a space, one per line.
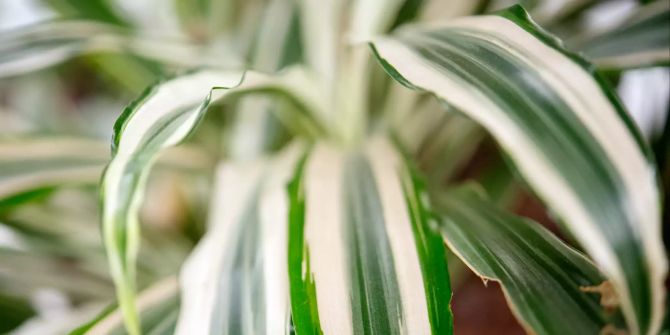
x=161 y=118
x=564 y=130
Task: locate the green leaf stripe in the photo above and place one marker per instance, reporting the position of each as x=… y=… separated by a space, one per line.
x=369 y=262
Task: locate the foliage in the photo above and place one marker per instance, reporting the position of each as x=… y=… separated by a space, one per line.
x=314 y=167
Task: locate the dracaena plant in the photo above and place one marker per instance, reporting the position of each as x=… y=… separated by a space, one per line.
x=345 y=224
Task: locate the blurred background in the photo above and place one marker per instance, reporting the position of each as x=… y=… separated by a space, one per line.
x=53 y=271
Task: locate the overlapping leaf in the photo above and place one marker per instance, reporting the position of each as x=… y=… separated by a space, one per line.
x=564 y=130
x=161 y=118
x=543 y=279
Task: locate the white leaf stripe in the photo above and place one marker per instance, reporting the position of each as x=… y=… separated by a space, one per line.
x=418 y=59
x=325 y=239
x=362 y=247
x=206 y=278
x=161 y=118
x=274 y=214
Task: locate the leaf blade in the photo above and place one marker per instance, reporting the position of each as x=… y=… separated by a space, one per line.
x=365 y=261
x=542 y=278
x=237 y=278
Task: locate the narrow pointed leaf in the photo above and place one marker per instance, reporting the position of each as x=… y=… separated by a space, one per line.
x=563 y=128
x=362 y=259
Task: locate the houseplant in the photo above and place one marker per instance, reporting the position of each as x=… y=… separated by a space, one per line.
x=338 y=230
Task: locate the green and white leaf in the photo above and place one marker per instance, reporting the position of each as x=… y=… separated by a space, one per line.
x=164 y=116
x=236 y=280
x=641 y=40
x=542 y=278
x=34 y=164
x=362 y=259
x=564 y=130
x=50 y=43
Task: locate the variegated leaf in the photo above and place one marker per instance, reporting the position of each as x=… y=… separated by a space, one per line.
x=564 y=130
x=236 y=280
x=362 y=257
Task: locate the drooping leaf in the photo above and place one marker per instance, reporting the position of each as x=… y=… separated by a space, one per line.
x=544 y=280
x=362 y=259
x=165 y=115
x=236 y=281
x=564 y=130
